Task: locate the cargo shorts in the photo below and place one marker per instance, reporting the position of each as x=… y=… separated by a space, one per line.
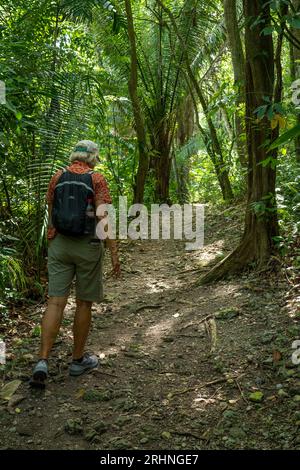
x=69 y=258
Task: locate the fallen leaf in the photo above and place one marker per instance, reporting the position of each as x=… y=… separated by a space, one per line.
x=15 y=400
x=276 y=356
x=9 y=389
x=256 y=397
x=80 y=393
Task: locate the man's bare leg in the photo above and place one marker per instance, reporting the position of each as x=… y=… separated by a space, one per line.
x=81 y=327
x=51 y=324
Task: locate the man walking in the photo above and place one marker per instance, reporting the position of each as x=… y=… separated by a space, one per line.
x=74 y=251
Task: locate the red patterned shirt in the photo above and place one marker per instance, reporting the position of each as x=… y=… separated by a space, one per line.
x=102 y=195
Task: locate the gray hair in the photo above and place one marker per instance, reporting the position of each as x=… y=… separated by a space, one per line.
x=85 y=151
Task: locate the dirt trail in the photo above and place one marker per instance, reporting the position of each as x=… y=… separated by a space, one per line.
x=178 y=361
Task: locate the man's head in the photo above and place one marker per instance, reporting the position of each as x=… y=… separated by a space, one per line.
x=85 y=151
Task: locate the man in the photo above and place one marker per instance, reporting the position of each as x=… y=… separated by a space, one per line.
x=74 y=251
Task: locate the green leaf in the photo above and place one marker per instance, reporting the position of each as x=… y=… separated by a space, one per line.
x=268 y=30
x=261 y=111
x=286 y=137
x=295 y=23
x=256 y=397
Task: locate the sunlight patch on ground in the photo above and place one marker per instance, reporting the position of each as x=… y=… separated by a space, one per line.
x=158 y=286
x=211 y=253
x=122 y=340
x=203 y=400
x=157 y=332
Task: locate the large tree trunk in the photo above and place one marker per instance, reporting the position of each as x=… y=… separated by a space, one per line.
x=163 y=170
x=185 y=117
x=162 y=165
x=137 y=111
x=238 y=64
x=257 y=244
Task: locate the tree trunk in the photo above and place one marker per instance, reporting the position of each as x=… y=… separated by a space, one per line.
x=211 y=151
x=163 y=170
x=216 y=154
x=238 y=64
x=137 y=111
x=222 y=171
x=257 y=244
x=185 y=129
x=295 y=69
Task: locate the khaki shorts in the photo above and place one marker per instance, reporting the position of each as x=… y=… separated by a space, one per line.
x=70 y=257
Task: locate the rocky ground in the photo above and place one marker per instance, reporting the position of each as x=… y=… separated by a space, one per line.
x=182 y=366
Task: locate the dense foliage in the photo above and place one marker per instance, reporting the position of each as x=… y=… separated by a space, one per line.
x=66 y=65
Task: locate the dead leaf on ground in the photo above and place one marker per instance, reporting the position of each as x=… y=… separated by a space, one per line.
x=9 y=389
x=277 y=356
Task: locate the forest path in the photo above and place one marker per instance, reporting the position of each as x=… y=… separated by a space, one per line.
x=178 y=361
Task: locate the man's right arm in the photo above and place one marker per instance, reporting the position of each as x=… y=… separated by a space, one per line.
x=102 y=196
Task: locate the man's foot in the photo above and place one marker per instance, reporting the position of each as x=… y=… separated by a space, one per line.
x=88 y=362
x=40 y=374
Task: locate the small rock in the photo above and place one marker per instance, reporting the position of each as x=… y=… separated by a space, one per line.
x=282 y=393
x=122 y=420
x=122 y=444
x=90 y=434
x=100 y=427
x=259 y=381
x=144 y=440
x=73 y=426
x=23 y=430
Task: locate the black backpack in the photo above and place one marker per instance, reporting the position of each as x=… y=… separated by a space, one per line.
x=71 y=196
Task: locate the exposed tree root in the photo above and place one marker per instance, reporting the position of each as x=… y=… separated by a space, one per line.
x=241 y=258
x=236 y=261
